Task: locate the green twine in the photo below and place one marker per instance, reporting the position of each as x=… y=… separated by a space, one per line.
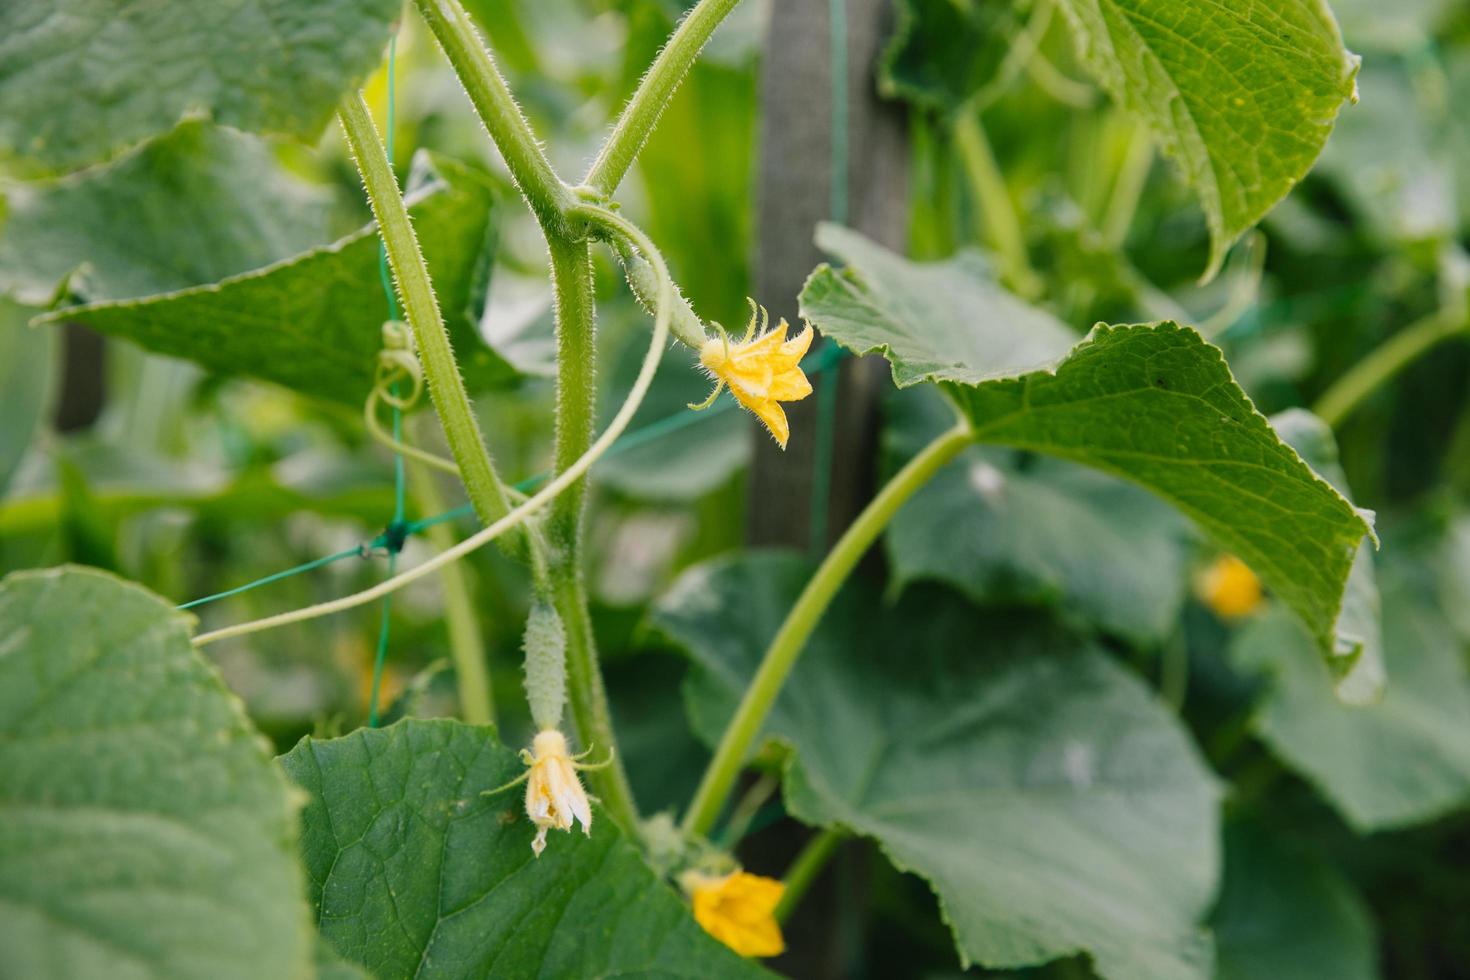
x=312 y=565
x=837 y=210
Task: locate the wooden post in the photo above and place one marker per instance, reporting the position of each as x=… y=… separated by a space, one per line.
x=794 y=192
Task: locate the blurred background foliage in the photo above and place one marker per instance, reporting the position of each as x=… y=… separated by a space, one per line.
x=1343 y=830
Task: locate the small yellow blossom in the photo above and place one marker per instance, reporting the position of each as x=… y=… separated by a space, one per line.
x=739 y=910
x=763 y=370
x=1230 y=588
x=554 y=794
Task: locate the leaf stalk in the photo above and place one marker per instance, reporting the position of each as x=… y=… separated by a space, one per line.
x=802 y=620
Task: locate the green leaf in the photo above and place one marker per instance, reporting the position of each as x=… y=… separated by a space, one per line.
x=1357 y=671
x=1401 y=761
x=945 y=51
x=1241 y=96
x=1007 y=527
x=1287 y=915
x=313 y=322
x=1151 y=403
x=671 y=454
x=144 y=831
x=415 y=873
x=192 y=208
x=945 y=321
x=81 y=80
x=28 y=367
x=1050 y=800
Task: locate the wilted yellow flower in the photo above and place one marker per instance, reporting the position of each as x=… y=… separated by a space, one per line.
x=554 y=794
x=762 y=370
x=1230 y=588
x=739 y=910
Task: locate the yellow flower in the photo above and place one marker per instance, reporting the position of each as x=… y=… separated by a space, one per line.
x=554 y=794
x=739 y=910
x=1230 y=588
x=762 y=370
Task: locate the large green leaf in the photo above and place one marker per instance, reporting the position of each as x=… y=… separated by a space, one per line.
x=313 y=322
x=1053 y=804
x=1006 y=529
x=144 y=831
x=1151 y=403
x=81 y=80
x=671 y=455
x=1287 y=915
x=199 y=205
x=1241 y=95
x=1401 y=761
x=1359 y=676
x=415 y=873
x=946 y=321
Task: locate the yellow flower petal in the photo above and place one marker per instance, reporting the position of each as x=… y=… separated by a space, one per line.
x=1230 y=588
x=762 y=372
x=739 y=910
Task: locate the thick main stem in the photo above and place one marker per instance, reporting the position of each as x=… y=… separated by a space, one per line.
x=446 y=388
x=787 y=645
x=1380 y=366
x=547 y=195
x=654 y=92
x=576 y=406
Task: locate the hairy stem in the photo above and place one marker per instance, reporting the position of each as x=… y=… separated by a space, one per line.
x=805 y=868
x=576 y=406
x=576 y=384
x=780 y=657
x=997 y=209
x=654 y=92
x=543 y=190
x=1384 y=363
x=446 y=388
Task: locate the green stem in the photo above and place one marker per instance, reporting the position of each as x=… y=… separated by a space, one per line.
x=576 y=404
x=654 y=92
x=1380 y=366
x=446 y=388
x=781 y=656
x=806 y=867
x=1138 y=159
x=576 y=385
x=466 y=641
x=508 y=128
x=997 y=209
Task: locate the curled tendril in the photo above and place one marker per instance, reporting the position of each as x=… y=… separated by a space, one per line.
x=398 y=362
